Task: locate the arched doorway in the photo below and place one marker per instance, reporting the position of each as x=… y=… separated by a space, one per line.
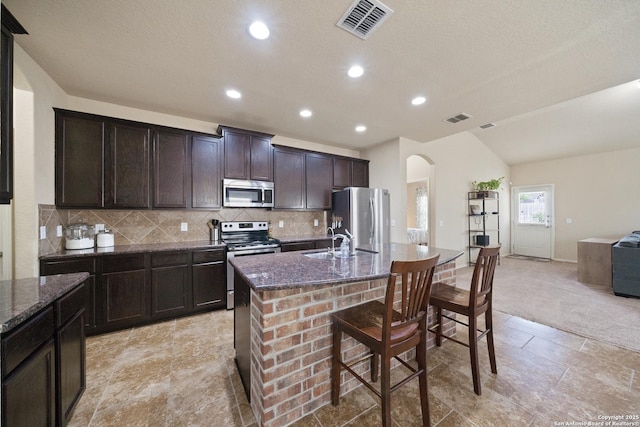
x=419 y=176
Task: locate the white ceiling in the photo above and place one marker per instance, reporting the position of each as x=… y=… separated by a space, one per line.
x=524 y=65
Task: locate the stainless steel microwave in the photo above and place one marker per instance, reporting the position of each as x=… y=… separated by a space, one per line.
x=247 y=194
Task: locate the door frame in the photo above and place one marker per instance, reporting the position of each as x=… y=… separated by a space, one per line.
x=514 y=213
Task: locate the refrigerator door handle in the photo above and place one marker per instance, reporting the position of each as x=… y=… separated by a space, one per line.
x=373 y=218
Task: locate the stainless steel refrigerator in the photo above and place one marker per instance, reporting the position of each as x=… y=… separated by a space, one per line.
x=364 y=212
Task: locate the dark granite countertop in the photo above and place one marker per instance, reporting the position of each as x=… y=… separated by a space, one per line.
x=131 y=249
x=294 y=269
x=21 y=298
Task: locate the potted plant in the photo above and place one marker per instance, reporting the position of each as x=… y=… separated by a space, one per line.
x=483 y=189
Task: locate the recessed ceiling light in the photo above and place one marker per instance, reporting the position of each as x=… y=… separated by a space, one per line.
x=232 y=93
x=355 y=71
x=418 y=100
x=259 y=30
x=361 y=128
x=306 y=113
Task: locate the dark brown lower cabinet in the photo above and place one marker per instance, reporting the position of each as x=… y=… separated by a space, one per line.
x=72 y=363
x=242 y=331
x=126 y=290
x=124 y=293
x=169 y=284
x=43 y=364
x=297 y=246
x=28 y=393
x=306 y=245
x=75 y=265
x=209 y=279
x=125 y=296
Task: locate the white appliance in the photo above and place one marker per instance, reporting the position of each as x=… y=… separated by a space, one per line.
x=364 y=212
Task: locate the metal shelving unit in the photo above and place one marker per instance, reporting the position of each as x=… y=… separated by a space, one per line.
x=483 y=221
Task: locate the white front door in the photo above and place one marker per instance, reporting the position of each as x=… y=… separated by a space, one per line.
x=532 y=219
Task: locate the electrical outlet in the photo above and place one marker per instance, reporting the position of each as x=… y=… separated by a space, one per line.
x=280 y=224
x=315 y=222
x=43 y=232
x=59 y=231
x=99 y=227
x=183 y=226
x=569 y=220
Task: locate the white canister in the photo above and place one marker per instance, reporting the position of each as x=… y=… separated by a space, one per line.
x=105 y=239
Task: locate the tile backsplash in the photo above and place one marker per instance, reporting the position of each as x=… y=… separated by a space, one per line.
x=164 y=226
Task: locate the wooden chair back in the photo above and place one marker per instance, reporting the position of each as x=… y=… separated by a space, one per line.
x=482 y=279
x=416 y=281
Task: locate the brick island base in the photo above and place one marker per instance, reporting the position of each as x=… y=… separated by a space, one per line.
x=283 y=344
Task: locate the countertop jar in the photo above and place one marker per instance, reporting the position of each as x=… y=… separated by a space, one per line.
x=79 y=236
x=105 y=239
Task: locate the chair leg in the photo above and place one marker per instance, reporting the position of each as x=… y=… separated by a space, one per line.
x=335 y=366
x=385 y=390
x=439 y=327
x=421 y=357
x=473 y=350
x=492 y=353
x=374 y=366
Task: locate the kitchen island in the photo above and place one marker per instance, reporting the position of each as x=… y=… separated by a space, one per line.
x=43 y=348
x=282 y=320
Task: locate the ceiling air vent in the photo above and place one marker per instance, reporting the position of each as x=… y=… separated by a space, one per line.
x=457 y=118
x=364 y=16
x=487 y=126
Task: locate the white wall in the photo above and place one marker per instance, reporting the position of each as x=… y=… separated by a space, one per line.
x=35 y=95
x=457 y=161
x=598 y=192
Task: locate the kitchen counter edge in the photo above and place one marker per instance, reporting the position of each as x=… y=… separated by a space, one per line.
x=271 y=272
x=31 y=295
x=132 y=249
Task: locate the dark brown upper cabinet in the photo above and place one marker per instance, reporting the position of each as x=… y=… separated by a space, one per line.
x=170 y=167
x=80 y=150
x=360 y=173
x=206 y=172
x=10 y=26
x=319 y=180
x=248 y=155
x=101 y=163
x=349 y=172
x=289 y=178
x=302 y=179
x=127 y=181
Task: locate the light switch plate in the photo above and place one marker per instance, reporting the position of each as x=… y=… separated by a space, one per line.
x=99 y=227
x=59 y=231
x=43 y=232
x=183 y=226
x=281 y=224
x=315 y=222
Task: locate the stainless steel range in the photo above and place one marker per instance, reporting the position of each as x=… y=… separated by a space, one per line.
x=245 y=238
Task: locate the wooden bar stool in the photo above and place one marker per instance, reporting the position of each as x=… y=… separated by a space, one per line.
x=471 y=303
x=389 y=333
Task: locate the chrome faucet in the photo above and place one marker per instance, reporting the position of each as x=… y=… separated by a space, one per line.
x=352 y=242
x=333 y=239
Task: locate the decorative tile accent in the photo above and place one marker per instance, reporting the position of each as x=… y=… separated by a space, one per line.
x=132 y=227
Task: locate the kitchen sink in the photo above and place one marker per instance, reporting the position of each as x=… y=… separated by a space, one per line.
x=329 y=255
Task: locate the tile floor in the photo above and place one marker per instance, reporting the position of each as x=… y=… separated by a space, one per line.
x=182 y=373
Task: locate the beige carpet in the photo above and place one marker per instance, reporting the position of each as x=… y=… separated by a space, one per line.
x=549 y=293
